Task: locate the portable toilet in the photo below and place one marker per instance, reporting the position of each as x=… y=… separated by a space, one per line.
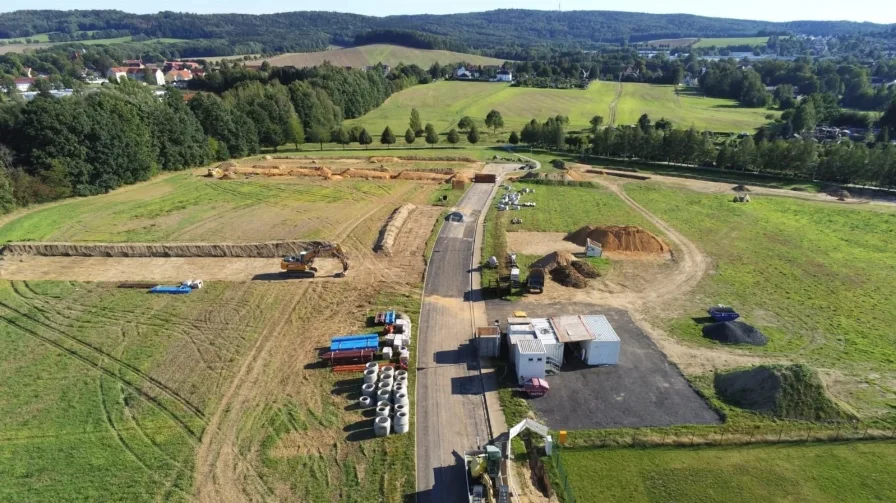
x=529 y=359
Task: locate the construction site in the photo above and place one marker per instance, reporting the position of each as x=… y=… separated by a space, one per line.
x=303 y=328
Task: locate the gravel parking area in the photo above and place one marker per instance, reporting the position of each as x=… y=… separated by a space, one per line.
x=643 y=390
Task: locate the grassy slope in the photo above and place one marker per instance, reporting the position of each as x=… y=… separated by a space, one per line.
x=686 y=109
x=815 y=277
x=795 y=473
x=359 y=57
x=184 y=207
x=725 y=42
x=444 y=103
x=73 y=433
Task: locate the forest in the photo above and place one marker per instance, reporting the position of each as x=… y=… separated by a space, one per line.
x=497 y=32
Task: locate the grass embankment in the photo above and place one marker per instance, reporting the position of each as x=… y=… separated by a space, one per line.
x=368 y=55
x=816 y=278
x=188 y=208
x=727 y=42
x=855 y=472
x=84 y=414
x=444 y=103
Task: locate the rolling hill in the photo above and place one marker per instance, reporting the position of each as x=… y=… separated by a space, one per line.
x=367 y=55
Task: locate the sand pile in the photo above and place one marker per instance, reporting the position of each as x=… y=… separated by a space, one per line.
x=377 y=160
x=575 y=176
x=366 y=174
x=417 y=175
x=228 y=175
x=269 y=249
x=585 y=269
x=227 y=165
x=734 y=332
x=619 y=238
x=553 y=260
x=390 y=230
x=740 y=188
x=785 y=391
x=213 y=173
x=460 y=178
x=566 y=275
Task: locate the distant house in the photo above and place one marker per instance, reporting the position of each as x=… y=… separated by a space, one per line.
x=881 y=82
x=462 y=73
x=133 y=63
x=504 y=76
x=117 y=73
x=24 y=83
x=175 y=76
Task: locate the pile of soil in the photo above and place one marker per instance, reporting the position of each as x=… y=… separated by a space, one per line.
x=839 y=193
x=227 y=166
x=377 y=160
x=784 y=391
x=213 y=173
x=417 y=175
x=567 y=275
x=619 y=238
x=228 y=175
x=734 y=332
x=740 y=188
x=554 y=260
x=585 y=269
x=460 y=178
x=269 y=249
x=392 y=227
x=366 y=174
x=563 y=177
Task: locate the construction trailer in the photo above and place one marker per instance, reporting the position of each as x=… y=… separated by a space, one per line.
x=488 y=341
x=485 y=178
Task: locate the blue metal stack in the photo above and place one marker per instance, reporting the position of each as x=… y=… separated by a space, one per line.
x=171 y=289
x=390 y=317
x=352 y=342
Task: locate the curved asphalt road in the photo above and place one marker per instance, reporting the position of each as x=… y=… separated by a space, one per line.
x=450 y=403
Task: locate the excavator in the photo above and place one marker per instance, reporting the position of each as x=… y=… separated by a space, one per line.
x=304 y=262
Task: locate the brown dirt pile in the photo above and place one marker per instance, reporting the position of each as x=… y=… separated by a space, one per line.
x=228 y=175
x=365 y=174
x=585 y=269
x=568 y=276
x=417 y=175
x=393 y=226
x=269 y=249
x=620 y=238
x=554 y=260
x=377 y=160
x=227 y=165
x=460 y=177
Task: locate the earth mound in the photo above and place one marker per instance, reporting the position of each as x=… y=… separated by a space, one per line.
x=734 y=332
x=227 y=165
x=567 y=275
x=619 y=238
x=784 y=391
x=585 y=269
x=554 y=260
x=740 y=188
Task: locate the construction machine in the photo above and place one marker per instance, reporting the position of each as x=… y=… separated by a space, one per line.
x=304 y=261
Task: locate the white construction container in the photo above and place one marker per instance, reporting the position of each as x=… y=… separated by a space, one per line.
x=529 y=358
x=604 y=348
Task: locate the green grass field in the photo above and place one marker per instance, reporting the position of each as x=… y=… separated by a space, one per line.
x=856 y=472
x=185 y=207
x=367 y=55
x=814 y=276
x=105 y=396
x=444 y=103
x=726 y=42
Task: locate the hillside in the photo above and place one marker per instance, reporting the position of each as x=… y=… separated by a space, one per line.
x=359 y=57
x=492 y=30
x=444 y=103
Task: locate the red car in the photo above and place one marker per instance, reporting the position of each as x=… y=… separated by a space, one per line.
x=536 y=387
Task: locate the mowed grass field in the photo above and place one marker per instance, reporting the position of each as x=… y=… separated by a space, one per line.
x=444 y=103
x=107 y=392
x=190 y=208
x=367 y=55
x=857 y=472
x=815 y=277
x=726 y=42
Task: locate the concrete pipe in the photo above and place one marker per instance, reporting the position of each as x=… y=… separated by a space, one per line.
x=388 y=373
x=402 y=379
x=368 y=389
x=400 y=408
x=401 y=418
x=383 y=395
x=400 y=373
x=373 y=366
x=402 y=399
x=381 y=426
x=401 y=428
x=383 y=411
x=387 y=380
x=384 y=403
x=385 y=386
x=370 y=376
x=388 y=368
x=366 y=402
x=398 y=388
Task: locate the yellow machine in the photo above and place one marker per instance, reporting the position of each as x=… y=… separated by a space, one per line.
x=304 y=262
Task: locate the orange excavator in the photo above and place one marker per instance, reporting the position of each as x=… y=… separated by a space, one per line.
x=304 y=262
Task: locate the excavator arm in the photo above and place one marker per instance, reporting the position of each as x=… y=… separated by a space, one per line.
x=305 y=261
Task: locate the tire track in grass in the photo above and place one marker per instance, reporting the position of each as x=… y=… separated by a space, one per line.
x=615 y=103
x=149 y=398
x=189 y=406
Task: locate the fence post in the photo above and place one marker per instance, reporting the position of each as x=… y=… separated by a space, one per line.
x=634 y=436
x=721 y=436
x=837 y=436
x=892 y=431
x=808 y=430
x=780 y=433
x=692 y=437
x=664 y=437
x=751 y=435
x=865 y=432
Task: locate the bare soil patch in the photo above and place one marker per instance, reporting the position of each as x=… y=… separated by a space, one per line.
x=269 y=249
x=540 y=243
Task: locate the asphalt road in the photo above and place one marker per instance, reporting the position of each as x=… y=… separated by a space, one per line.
x=451 y=415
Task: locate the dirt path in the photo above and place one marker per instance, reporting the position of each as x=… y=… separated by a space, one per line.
x=615 y=103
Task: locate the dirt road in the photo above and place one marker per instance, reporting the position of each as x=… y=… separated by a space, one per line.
x=450 y=402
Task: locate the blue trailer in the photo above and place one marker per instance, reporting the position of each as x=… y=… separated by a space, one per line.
x=171 y=289
x=722 y=313
x=390 y=317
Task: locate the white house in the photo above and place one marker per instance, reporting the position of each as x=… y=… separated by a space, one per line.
x=157 y=78
x=24 y=83
x=463 y=73
x=504 y=76
x=117 y=73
